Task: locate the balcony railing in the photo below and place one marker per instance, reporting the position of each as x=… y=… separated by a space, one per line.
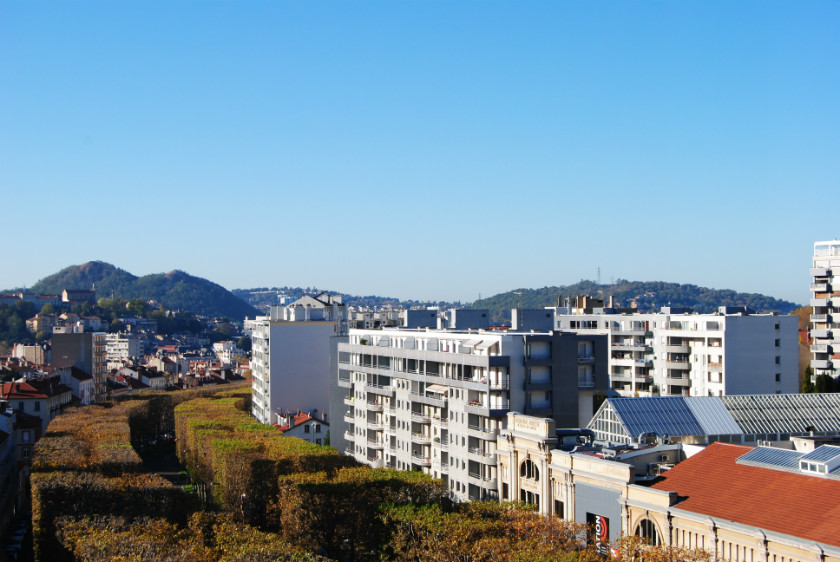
x=586 y=381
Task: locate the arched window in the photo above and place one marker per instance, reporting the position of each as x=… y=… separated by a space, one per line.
x=647 y=530
x=529 y=470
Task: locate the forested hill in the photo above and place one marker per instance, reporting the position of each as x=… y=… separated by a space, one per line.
x=175 y=290
x=647 y=296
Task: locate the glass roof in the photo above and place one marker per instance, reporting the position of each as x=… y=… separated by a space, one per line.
x=753 y=414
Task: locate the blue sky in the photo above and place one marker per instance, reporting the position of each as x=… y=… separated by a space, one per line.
x=430 y=150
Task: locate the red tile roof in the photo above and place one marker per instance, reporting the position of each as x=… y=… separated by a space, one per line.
x=713 y=484
x=20 y=391
x=299 y=418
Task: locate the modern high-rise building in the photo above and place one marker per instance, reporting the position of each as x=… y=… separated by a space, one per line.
x=678 y=353
x=86 y=351
x=292 y=354
x=435 y=399
x=825 y=317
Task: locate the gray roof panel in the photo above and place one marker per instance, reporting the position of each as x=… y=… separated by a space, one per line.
x=713 y=416
x=772 y=457
x=823 y=453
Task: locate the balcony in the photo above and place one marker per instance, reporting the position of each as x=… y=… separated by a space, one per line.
x=819 y=318
x=586 y=359
x=480 y=478
x=349 y=418
x=716 y=367
x=817 y=303
x=382 y=390
x=438 y=400
x=421 y=460
x=482 y=456
x=348 y=401
x=819 y=287
x=440 y=422
x=421 y=438
x=375 y=444
x=420 y=418
x=586 y=381
x=821 y=364
x=375 y=426
x=374 y=407
x=349 y=436
x=819 y=272
x=480 y=432
x=821 y=334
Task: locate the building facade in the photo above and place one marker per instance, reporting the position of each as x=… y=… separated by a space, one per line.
x=436 y=400
x=677 y=353
x=88 y=352
x=825 y=317
x=739 y=503
x=292 y=350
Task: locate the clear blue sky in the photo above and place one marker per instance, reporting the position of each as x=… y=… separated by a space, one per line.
x=431 y=150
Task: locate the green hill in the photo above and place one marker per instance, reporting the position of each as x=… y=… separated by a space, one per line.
x=648 y=296
x=175 y=290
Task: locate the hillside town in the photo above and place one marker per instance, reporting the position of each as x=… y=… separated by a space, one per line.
x=637 y=424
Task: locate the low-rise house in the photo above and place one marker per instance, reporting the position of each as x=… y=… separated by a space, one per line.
x=45 y=398
x=79 y=382
x=42 y=323
x=304 y=426
x=150 y=377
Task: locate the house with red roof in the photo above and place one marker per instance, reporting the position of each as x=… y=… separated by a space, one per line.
x=44 y=398
x=306 y=426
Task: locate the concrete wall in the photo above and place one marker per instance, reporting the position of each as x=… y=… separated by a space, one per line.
x=300 y=366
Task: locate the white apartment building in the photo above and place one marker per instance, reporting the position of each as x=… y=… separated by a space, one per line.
x=121 y=347
x=825 y=317
x=292 y=358
x=675 y=352
x=436 y=399
x=225 y=351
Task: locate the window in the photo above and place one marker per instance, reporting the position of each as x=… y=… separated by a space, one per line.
x=778 y=343
x=37 y=406
x=778 y=360
x=646 y=529
x=778 y=377
x=306 y=429
x=318 y=441
x=529 y=470
x=317 y=428
x=559 y=508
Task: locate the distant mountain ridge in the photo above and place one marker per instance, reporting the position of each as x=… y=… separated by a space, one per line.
x=647 y=296
x=175 y=290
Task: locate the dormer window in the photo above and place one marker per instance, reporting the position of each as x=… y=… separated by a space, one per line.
x=813 y=467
